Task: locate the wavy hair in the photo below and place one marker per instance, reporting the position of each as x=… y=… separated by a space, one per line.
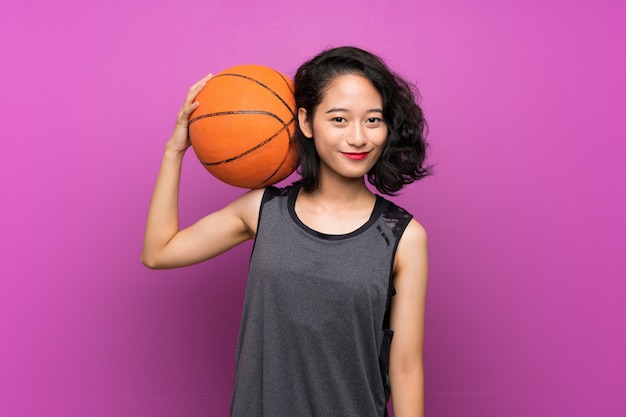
x=403 y=158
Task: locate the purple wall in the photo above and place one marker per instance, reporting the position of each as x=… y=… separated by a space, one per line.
x=526 y=103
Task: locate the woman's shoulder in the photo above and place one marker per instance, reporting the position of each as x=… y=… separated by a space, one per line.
x=395 y=217
x=274 y=191
x=250 y=204
x=403 y=224
x=257 y=196
x=416 y=232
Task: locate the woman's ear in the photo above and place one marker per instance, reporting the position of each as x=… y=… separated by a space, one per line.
x=305 y=123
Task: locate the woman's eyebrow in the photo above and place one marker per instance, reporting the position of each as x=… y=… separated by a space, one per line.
x=340 y=110
x=337 y=110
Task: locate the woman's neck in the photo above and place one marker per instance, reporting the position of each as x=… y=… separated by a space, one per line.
x=335 y=209
x=342 y=193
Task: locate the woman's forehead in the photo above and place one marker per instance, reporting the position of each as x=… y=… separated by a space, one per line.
x=350 y=90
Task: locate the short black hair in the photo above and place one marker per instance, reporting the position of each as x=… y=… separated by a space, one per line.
x=403 y=158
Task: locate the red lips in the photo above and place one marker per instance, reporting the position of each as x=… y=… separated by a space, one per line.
x=356 y=156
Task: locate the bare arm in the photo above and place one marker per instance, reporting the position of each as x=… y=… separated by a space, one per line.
x=406 y=369
x=165 y=245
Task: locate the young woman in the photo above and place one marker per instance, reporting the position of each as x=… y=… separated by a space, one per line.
x=336 y=271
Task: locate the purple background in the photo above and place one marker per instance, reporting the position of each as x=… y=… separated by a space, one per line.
x=525 y=101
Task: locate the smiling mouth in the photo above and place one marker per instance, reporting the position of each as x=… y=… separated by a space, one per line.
x=356 y=155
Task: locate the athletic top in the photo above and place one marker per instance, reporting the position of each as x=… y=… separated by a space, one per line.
x=313 y=340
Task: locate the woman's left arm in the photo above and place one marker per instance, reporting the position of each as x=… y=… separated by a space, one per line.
x=406 y=368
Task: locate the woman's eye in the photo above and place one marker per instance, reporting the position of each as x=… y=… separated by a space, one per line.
x=339 y=119
x=374 y=120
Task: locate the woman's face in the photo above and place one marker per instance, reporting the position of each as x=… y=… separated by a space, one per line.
x=347 y=126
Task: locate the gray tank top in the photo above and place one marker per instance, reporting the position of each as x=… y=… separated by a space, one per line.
x=313 y=339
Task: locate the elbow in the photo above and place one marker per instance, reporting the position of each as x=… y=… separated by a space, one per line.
x=150 y=261
x=147 y=262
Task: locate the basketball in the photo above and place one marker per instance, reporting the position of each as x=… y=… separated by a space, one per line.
x=242 y=131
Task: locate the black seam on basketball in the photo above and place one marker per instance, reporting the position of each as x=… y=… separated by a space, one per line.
x=276 y=170
x=292 y=111
x=254 y=148
x=231 y=112
x=287 y=83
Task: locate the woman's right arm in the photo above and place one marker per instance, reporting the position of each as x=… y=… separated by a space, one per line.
x=165 y=245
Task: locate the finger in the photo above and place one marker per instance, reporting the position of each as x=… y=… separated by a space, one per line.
x=186 y=111
x=197 y=87
x=203 y=80
x=190 y=105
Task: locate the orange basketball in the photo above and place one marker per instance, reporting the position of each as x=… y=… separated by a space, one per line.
x=242 y=132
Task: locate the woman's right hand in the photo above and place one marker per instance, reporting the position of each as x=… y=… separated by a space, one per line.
x=179 y=141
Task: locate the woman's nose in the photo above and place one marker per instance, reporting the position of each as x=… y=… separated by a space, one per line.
x=356 y=135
